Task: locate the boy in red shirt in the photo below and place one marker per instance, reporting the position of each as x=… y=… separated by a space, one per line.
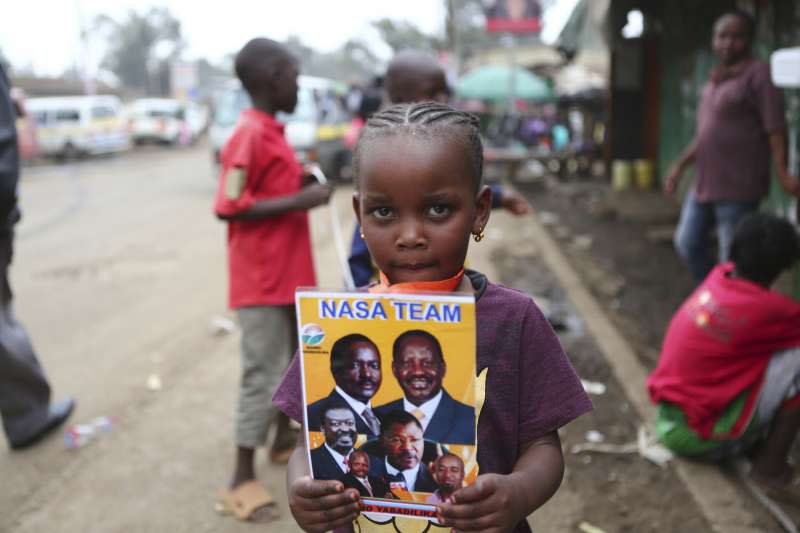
x=263 y=198
x=729 y=374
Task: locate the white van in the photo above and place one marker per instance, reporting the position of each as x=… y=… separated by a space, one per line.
x=70 y=126
x=160 y=120
x=315 y=130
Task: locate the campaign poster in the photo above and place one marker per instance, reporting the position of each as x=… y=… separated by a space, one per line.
x=389 y=392
x=514 y=16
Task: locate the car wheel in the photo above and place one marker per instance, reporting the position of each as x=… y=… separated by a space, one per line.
x=70 y=152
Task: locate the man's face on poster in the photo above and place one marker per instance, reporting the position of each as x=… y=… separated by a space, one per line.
x=359 y=464
x=448 y=472
x=403 y=445
x=339 y=428
x=419 y=369
x=360 y=377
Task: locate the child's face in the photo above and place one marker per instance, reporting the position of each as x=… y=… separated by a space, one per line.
x=417 y=206
x=284 y=87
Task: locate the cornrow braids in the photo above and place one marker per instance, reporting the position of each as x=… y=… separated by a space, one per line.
x=428 y=119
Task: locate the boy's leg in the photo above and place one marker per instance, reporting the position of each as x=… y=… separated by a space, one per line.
x=692 y=236
x=779 y=403
x=728 y=215
x=266 y=347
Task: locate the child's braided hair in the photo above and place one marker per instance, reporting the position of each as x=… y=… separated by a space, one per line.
x=429 y=119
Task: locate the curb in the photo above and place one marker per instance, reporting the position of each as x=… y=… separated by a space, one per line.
x=719 y=499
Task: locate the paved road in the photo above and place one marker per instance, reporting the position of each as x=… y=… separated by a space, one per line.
x=119 y=271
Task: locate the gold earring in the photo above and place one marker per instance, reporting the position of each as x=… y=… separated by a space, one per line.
x=478 y=237
x=362 y=236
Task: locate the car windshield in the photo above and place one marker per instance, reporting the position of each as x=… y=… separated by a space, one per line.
x=306 y=110
x=233 y=101
x=230 y=104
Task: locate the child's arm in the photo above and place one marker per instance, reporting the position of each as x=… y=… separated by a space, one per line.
x=317 y=505
x=497 y=502
x=306 y=198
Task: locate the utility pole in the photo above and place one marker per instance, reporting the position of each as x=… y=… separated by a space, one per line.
x=452 y=40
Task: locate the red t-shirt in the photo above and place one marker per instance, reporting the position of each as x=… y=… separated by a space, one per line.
x=267 y=258
x=719 y=344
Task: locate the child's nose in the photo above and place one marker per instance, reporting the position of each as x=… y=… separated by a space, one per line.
x=412 y=235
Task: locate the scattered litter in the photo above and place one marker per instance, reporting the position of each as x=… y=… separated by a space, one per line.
x=586 y=527
x=547 y=218
x=222 y=325
x=594 y=436
x=743 y=472
x=154 y=382
x=79 y=435
x=646 y=445
x=650 y=449
x=593 y=387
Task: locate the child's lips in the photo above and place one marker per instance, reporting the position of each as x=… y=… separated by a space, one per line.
x=414 y=266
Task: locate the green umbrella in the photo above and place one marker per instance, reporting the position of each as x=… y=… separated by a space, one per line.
x=493 y=82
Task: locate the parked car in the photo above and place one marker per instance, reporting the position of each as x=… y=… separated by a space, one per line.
x=160 y=120
x=197 y=118
x=71 y=126
x=315 y=129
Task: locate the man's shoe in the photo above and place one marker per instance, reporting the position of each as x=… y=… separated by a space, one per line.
x=56 y=415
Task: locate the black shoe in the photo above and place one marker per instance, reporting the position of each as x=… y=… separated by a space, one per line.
x=56 y=415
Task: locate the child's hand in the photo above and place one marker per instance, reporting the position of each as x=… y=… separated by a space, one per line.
x=514 y=202
x=490 y=504
x=320 y=506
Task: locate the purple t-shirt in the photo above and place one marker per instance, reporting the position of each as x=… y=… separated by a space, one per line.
x=531 y=387
x=734 y=120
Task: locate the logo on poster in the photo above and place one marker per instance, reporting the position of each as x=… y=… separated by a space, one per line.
x=312 y=335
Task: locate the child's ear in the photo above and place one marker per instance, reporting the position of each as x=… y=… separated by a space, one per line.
x=357 y=206
x=483 y=208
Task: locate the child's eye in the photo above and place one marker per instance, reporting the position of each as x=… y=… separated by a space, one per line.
x=438 y=211
x=382 y=212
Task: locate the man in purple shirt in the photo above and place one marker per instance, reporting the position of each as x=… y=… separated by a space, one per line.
x=740 y=124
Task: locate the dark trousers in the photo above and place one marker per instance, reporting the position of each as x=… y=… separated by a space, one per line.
x=24 y=391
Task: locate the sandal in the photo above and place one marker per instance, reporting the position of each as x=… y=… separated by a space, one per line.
x=249 y=502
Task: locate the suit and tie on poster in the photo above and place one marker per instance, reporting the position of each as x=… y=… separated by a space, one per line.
x=389 y=390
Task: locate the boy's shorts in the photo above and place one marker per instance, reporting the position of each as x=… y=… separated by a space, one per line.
x=269 y=340
x=781 y=389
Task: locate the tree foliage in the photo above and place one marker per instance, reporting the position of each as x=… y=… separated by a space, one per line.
x=352 y=60
x=141 y=47
x=403 y=35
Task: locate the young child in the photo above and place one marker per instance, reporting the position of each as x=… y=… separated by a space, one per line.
x=262 y=197
x=415 y=76
x=419 y=197
x=729 y=371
